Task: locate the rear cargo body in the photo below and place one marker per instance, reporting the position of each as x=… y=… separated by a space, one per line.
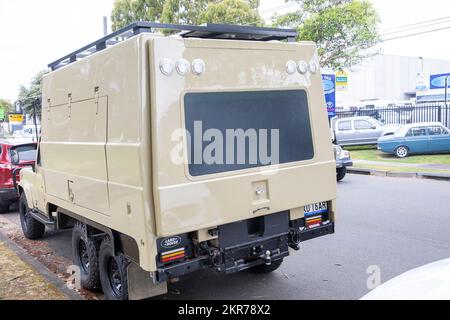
x=184 y=202
x=111 y=126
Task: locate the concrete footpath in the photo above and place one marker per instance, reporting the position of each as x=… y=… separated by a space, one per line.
x=411 y=170
x=24 y=278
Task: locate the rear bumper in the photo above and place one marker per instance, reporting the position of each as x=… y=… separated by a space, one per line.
x=8 y=195
x=241 y=252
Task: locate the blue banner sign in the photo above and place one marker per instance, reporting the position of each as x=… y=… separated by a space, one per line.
x=329 y=87
x=437 y=81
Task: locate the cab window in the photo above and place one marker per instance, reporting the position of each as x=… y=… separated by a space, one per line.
x=345 y=126
x=363 y=125
x=417 y=132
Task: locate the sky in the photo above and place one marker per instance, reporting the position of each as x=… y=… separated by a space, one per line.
x=34 y=33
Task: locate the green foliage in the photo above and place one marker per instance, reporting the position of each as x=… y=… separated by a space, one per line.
x=232 y=12
x=185 y=11
x=345 y=30
x=28 y=96
x=126 y=12
x=6 y=106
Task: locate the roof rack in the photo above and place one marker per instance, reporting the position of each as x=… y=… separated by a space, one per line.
x=208 y=31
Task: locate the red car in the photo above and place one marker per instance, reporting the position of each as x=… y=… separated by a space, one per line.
x=14 y=154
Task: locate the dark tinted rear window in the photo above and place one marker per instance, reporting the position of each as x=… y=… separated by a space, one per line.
x=285 y=111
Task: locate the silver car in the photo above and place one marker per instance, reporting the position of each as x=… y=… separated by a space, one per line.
x=359 y=130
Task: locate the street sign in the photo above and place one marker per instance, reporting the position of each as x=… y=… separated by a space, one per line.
x=329 y=87
x=341 y=80
x=17 y=118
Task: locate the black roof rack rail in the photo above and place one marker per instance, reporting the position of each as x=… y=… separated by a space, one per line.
x=208 y=31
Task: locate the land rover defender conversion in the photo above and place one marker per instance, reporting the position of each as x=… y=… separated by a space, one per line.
x=209 y=148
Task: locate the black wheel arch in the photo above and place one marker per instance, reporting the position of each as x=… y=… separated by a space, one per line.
x=121 y=243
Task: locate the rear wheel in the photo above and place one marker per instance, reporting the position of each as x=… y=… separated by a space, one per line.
x=32 y=229
x=264 y=268
x=113 y=272
x=341 y=173
x=402 y=152
x=85 y=254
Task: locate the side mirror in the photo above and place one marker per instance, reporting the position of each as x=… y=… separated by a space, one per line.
x=373 y=127
x=15 y=159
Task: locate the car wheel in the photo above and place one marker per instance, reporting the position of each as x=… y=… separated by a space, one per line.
x=341 y=173
x=113 y=272
x=32 y=229
x=85 y=254
x=402 y=152
x=264 y=268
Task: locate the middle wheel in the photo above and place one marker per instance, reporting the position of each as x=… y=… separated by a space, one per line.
x=85 y=254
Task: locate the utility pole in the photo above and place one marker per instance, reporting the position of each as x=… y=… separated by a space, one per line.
x=105 y=26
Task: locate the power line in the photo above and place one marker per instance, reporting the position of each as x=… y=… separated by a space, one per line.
x=416 y=23
x=416 y=27
x=415 y=34
x=283 y=6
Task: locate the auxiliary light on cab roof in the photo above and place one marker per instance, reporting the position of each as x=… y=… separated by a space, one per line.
x=198 y=66
x=291 y=67
x=302 y=67
x=166 y=66
x=183 y=67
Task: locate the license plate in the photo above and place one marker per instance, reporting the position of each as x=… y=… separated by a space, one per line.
x=316 y=208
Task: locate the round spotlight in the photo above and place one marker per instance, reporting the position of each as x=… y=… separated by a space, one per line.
x=291 y=67
x=302 y=67
x=198 y=66
x=313 y=67
x=183 y=67
x=166 y=66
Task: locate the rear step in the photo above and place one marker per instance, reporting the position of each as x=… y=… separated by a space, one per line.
x=42 y=218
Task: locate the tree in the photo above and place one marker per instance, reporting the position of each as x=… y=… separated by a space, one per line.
x=345 y=30
x=185 y=11
x=30 y=97
x=126 y=12
x=6 y=107
x=232 y=12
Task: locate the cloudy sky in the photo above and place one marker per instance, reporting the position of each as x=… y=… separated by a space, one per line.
x=36 y=32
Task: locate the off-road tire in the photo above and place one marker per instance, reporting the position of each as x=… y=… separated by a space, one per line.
x=264 y=268
x=4 y=207
x=32 y=229
x=85 y=256
x=341 y=173
x=106 y=260
x=401 y=152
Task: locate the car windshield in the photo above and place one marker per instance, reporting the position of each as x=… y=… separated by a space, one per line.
x=26 y=152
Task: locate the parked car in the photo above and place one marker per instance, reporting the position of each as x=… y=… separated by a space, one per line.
x=430 y=282
x=359 y=130
x=427 y=137
x=343 y=160
x=14 y=153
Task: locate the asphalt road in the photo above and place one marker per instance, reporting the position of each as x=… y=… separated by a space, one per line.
x=393 y=223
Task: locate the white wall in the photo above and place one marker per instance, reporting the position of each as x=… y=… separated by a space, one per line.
x=387 y=77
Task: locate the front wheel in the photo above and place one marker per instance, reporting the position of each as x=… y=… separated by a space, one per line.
x=32 y=229
x=341 y=173
x=402 y=152
x=113 y=272
x=264 y=268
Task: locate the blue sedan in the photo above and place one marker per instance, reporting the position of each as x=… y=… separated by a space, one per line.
x=417 y=138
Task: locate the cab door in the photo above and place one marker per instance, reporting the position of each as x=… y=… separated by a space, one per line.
x=344 y=132
x=417 y=140
x=38 y=191
x=366 y=132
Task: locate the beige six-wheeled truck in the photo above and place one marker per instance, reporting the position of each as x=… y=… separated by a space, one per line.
x=167 y=154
